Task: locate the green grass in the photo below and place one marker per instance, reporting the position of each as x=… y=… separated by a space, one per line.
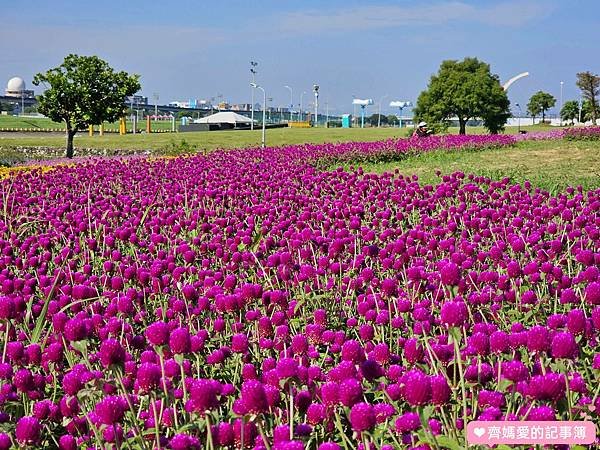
x=206 y=140
x=551 y=165
x=42 y=123
x=213 y=139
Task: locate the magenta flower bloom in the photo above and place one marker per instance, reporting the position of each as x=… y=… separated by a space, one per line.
x=111 y=353
x=440 y=391
x=454 y=313
x=362 y=417
x=417 y=387
x=287 y=368
x=408 y=422
x=110 y=410
x=450 y=274
x=239 y=343
x=28 y=431
x=203 y=395
x=564 y=346
x=7 y=308
x=538 y=339
x=148 y=376
x=350 y=392
x=157 y=333
x=254 y=397
x=329 y=446
x=180 y=340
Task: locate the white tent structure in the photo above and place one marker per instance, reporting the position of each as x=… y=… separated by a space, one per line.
x=225 y=117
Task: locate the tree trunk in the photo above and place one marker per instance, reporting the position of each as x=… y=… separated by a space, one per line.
x=70 y=136
x=543 y=116
x=462 y=126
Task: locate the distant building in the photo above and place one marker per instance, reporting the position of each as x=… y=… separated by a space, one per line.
x=137 y=100
x=16 y=88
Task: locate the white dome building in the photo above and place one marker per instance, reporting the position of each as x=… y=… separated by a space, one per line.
x=16 y=88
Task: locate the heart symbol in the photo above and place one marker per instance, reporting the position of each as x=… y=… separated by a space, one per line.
x=479 y=432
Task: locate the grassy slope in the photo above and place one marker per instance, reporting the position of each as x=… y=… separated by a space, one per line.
x=34 y=123
x=550 y=165
x=217 y=139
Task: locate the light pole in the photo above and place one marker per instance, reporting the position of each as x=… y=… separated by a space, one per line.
x=155 y=96
x=253 y=71
x=291 y=100
x=561 y=101
x=254 y=85
x=300 y=112
x=316 y=91
x=326 y=113
x=519 y=118
x=379 y=113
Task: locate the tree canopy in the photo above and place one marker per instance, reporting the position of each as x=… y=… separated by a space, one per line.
x=590 y=89
x=539 y=103
x=464 y=89
x=84 y=91
x=570 y=111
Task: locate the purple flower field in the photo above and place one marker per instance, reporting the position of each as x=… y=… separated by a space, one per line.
x=251 y=299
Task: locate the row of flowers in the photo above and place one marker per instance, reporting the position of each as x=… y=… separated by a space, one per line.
x=246 y=299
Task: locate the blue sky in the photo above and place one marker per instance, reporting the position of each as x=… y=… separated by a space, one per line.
x=188 y=49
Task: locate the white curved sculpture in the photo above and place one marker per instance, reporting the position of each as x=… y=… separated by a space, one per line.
x=506 y=85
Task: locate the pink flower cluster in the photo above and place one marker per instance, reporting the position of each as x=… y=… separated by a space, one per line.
x=247 y=299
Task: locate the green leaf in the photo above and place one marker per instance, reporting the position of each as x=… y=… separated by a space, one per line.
x=448 y=442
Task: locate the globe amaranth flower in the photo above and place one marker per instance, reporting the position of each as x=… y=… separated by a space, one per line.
x=157 y=333
x=564 y=346
x=408 y=422
x=450 y=274
x=362 y=417
x=254 y=397
x=111 y=409
x=180 y=340
x=454 y=313
x=416 y=387
x=148 y=376
x=203 y=395
x=350 y=392
x=551 y=386
x=28 y=431
x=111 y=353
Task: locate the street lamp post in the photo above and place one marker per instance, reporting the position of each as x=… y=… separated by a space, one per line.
x=519 y=118
x=300 y=112
x=379 y=113
x=155 y=96
x=256 y=86
x=253 y=65
x=561 y=102
x=316 y=91
x=291 y=100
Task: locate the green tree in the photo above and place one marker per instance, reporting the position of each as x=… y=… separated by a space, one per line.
x=6 y=106
x=464 y=89
x=540 y=102
x=586 y=111
x=590 y=89
x=570 y=111
x=392 y=119
x=84 y=91
x=373 y=119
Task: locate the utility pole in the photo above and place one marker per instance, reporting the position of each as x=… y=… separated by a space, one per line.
x=316 y=91
x=253 y=71
x=155 y=96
